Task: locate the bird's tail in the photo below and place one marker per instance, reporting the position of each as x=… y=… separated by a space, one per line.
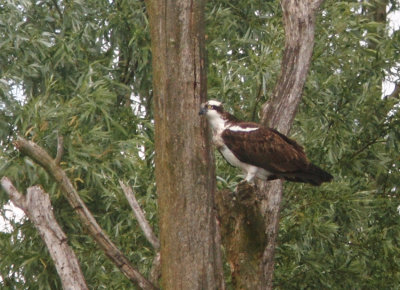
x=313 y=175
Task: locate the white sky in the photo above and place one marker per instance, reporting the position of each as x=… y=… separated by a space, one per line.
x=394 y=24
x=11 y=213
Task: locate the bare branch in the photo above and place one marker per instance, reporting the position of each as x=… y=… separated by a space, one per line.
x=17 y=198
x=155 y=273
x=37 y=207
x=272 y=209
x=141 y=218
x=280 y=110
x=60 y=149
x=40 y=156
x=299 y=20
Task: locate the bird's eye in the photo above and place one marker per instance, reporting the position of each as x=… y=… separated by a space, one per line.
x=210 y=107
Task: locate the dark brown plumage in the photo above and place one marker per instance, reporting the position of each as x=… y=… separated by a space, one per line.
x=260 y=151
x=286 y=158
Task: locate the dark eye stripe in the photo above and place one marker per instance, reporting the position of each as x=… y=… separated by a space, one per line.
x=213 y=107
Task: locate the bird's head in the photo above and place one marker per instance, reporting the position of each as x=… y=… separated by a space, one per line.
x=216 y=115
x=211 y=109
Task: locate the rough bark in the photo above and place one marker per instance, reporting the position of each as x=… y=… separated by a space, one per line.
x=280 y=110
x=185 y=173
x=243 y=234
x=37 y=206
x=40 y=156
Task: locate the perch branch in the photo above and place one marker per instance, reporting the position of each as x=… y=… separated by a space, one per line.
x=141 y=218
x=280 y=110
x=37 y=206
x=40 y=156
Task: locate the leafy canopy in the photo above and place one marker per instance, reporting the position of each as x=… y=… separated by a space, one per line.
x=82 y=69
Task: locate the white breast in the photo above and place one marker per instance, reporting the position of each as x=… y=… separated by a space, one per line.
x=249 y=170
x=232 y=159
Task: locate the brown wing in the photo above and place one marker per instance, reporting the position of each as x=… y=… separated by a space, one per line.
x=266 y=148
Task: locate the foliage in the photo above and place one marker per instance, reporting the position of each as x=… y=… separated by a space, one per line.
x=83 y=70
x=343 y=234
x=65 y=70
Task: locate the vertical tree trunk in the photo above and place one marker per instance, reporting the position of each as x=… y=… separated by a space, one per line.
x=243 y=234
x=185 y=173
x=280 y=110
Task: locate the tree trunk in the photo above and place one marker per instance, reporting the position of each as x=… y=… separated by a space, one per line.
x=280 y=110
x=185 y=173
x=243 y=234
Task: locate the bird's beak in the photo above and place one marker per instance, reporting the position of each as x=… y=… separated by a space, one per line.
x=203 y=110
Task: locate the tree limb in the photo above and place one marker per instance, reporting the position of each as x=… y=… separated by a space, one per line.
x=280 y=110
x=40 y=156
x=249 y=221
x=37 y=206
x=155 y=273
x=141 y=218
x=60 y=149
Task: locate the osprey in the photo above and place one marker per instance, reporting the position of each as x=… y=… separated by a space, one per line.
x=259 y=151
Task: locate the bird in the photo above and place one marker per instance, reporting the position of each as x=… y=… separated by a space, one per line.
x=260 y=152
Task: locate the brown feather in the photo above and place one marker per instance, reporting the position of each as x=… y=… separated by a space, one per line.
x=262 y=147
x=266 y=148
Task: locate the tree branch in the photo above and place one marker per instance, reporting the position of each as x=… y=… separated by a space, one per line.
x=280 y=110
x=249 y=222
x=60 y=149
x=155 y=273
x=37 y=207
x=40 y=156
x=141 y=218
x=58 y=9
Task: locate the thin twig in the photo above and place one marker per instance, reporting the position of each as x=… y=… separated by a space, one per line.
x=58 y=9
x=60 y=149
x=370 y=143
x=141 y=218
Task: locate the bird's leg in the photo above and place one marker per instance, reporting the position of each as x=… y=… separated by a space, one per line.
x=249 y=179
x=251 y=173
